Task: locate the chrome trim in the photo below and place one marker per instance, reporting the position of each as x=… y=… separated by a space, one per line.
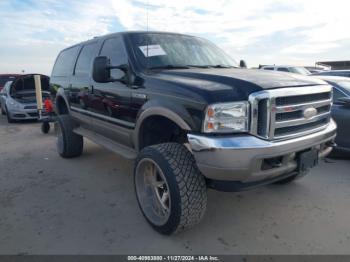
x=272 y=109
x=297 y=107
x=300 y=121
x=107 y=118
x=240 y=157
x=201 y=143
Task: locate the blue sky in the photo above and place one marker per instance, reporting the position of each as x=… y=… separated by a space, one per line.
x=298 y=32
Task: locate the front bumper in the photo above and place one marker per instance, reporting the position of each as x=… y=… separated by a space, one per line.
x=24 y=114
x=247 y=159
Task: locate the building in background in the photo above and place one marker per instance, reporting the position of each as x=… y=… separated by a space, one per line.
x=335 y=65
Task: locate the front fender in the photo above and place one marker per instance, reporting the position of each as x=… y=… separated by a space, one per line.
x=176 y=113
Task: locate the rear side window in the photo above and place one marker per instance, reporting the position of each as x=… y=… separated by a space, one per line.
x=283 y=69
x=268 y=68
x=65 y=62
x=84 y=62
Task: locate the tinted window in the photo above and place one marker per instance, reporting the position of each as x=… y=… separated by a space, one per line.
x=268 y=68
x=114 y=49
x=65 y=62
x=83 y=66
x=337 y=94
x=283 y=69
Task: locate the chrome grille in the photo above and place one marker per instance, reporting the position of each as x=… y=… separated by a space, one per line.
x=283 y=113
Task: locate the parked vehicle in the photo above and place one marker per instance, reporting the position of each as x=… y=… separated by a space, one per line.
x=289 y=69
x=341 y=110
x=5 y=78
x=343 y=73
x=18 y=100
x=190 y=117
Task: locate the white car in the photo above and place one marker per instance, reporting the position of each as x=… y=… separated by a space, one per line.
x=18 y=99
x=290 y=69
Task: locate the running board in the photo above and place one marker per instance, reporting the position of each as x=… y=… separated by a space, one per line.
x=107 y=143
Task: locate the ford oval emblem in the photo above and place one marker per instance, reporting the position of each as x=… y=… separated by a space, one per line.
x=309 y=112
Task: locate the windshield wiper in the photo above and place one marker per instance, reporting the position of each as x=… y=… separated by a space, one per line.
x=170 y=67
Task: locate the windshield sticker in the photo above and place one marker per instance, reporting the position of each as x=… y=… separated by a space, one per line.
x=153 y=50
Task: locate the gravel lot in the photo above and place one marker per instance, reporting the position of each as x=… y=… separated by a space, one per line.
x=50 y=205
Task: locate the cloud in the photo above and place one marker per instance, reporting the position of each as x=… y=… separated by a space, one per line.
x=264 y=31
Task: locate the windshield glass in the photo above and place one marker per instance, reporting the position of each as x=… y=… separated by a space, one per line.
x=300 y=70
x=345 y=85
x=171 y=50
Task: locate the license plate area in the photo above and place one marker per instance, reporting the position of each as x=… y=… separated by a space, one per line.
x=307 y=160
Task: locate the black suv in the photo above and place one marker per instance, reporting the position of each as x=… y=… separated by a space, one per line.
x=190 y=117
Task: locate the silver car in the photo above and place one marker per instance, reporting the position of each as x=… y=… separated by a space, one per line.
x=18 y=100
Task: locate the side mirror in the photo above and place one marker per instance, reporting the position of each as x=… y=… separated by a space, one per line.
x=242 y=64
x=101 y=72
x=344 y=101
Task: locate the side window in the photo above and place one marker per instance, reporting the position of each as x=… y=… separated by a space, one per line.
x=268 y=68
x=337 y=94
x=84 y=62
x=114 y=49
x=283 y=69
x=65 y=62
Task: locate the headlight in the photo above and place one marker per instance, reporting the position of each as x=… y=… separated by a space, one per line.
x=227 y=118
x=14 y=103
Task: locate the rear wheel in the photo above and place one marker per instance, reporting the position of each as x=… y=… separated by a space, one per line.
x=170 y=190
x=68 y=143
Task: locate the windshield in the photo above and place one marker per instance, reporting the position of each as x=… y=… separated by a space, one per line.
x=299 y=70
x=170 y=51
x=345 y=85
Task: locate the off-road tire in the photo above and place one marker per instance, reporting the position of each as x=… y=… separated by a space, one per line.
x=69 y=144
x=187 y=186
x=45 y=127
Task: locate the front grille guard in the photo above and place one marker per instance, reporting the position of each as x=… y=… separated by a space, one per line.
x=263 y=119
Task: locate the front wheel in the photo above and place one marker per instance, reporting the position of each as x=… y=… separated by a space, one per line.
x=9 y=118
x=170 y=189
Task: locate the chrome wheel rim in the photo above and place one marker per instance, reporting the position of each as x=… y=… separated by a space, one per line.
x=152 y=191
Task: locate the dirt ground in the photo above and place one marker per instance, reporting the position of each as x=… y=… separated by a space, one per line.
x=87 y=205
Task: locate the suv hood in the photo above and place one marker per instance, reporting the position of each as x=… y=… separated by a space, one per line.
x=218 y=85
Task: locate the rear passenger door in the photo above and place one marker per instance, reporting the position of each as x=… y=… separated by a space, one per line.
x=80 y=88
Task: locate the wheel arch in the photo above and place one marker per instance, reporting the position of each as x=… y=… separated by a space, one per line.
x=178 y=116
x=61 y=103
